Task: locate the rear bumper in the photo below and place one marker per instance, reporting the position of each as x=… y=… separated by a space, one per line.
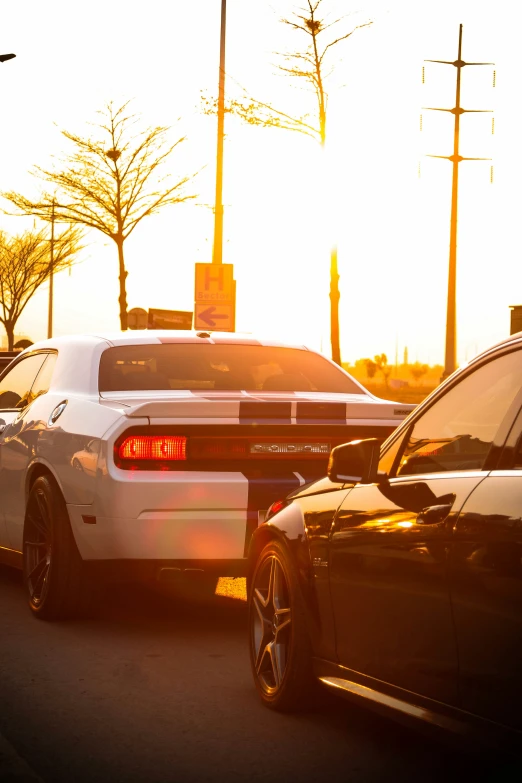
x=176 y=516
x=203 y=536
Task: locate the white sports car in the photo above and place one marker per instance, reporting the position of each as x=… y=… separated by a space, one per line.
x=144 y=454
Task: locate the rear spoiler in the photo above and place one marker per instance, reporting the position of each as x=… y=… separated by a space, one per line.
x=300 y=411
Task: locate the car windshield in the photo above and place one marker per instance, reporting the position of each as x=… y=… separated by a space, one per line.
x=220 y=367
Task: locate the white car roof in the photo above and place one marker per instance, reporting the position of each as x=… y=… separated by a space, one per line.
x=77 y=369
x=79 y=354
x=158 y=336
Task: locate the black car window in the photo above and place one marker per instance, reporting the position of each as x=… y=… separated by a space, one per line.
x=43 y=379
x=387 y=460
x=16 y=384
x=220 y=367
x=457 y=431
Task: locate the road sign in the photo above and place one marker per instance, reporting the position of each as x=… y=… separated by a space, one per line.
x=218 y=317
x=169 y=319
x=137 y=318
x=214 y=283
x=215 y=297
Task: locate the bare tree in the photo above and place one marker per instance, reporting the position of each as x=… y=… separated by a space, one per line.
x=381 y=363
x=111 y=181
x=371 y=368
x=418 y=370
x=25 y=263
x=309 y=63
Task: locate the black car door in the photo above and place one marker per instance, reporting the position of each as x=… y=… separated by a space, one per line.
x=389 y=543
x=486 y=590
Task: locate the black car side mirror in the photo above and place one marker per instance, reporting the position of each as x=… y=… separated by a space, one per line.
x=355 y=462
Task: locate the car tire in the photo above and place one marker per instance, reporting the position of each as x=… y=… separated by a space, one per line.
x=279 y=641
x=53 y=569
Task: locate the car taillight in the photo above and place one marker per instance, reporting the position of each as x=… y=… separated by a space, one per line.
x=154 y=448
x=277 y=506
x=218 y=448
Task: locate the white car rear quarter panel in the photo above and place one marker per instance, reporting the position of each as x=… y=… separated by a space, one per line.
x=83 y=423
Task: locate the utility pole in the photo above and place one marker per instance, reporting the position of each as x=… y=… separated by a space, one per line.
x=450 y=359
x=217 y=255
x=335 y=295
x=50 y=313
x=217 y=312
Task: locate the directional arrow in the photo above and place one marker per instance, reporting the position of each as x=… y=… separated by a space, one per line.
x=208 y=317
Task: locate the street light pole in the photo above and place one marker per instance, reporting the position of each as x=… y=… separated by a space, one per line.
x=217 y=255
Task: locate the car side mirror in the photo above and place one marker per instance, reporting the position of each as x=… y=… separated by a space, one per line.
x=3 y=425
x=355 y=462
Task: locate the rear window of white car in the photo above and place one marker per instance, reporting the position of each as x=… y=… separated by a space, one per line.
x=220 y=367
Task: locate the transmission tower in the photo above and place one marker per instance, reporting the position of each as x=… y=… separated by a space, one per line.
x=451 y=330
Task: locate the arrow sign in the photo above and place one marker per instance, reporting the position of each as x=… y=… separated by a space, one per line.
x=215 y=297
x=214 y=316
x=207 y=316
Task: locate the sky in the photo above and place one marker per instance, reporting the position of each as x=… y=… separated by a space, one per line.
x=285 y=201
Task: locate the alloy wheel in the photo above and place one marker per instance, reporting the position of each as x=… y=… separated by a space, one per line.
x=37 y=547
x=271 y=624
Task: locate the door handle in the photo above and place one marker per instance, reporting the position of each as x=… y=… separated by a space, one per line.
x=433 y=515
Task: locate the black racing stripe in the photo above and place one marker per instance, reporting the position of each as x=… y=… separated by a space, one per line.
x=321 y=411
x=262 y=492
x=261 y=411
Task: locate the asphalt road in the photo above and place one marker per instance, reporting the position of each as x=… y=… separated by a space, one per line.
x=159 y=690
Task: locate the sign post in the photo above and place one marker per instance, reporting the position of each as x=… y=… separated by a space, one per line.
x=215 y=298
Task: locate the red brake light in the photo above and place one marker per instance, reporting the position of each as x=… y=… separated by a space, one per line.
x=218 y=448
x=156 y=448
x=274 y=508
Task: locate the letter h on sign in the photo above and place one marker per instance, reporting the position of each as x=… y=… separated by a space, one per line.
x=213 y=278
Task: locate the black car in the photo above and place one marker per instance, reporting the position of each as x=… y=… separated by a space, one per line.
x=397 y=579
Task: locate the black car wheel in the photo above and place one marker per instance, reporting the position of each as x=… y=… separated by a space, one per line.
x=280 y=649
x=53 y=568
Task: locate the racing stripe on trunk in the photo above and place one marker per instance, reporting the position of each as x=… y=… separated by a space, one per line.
x=251 y=411
x=315 y=412
x=262 y=492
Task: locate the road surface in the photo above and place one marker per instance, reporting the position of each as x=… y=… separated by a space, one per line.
x=157 y=689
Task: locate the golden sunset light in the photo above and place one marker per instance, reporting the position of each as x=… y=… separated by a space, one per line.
x=286 y=202
x=260 y=391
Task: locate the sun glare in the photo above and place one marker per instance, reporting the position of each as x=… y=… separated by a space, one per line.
x=372 y=192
